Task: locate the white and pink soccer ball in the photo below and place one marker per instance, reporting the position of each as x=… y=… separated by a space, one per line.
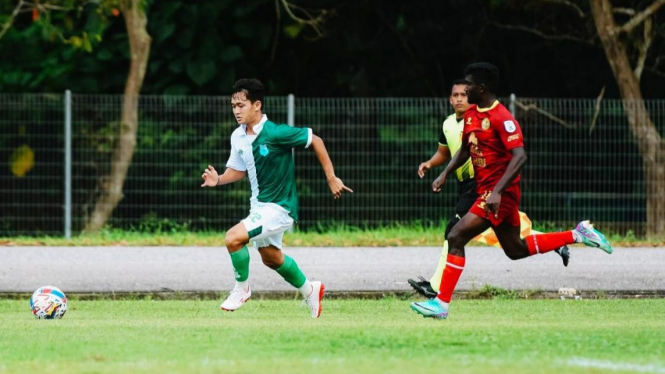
x=48 y=302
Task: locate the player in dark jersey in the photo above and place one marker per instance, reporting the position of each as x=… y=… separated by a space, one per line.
x=493 y=139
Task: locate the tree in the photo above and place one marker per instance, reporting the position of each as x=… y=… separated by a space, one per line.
x=626 y=46
x=56 y=17
x=627 y=75
x=134 y=13
x=111 y=185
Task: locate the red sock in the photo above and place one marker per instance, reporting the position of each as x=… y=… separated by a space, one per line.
x=451 y=274
x=543 y=243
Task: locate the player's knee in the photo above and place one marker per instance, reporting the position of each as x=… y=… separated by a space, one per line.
x=449 y=228
x=233 y=241
x=455 y=243
x=452 y=236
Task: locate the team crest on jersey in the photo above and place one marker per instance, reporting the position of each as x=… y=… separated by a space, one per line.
x=509 y=125
x=263 y=150
x=485 y=124
x=468 y=120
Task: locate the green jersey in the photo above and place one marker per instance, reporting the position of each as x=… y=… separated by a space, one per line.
x=268 y=161
x=451 y=137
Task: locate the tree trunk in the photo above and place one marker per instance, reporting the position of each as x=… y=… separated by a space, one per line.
x=648 y=139
x=139 y=46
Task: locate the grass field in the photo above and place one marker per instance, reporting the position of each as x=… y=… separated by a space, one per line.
x=353 y=336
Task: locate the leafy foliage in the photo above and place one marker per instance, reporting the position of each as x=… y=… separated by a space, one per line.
x=367 y=49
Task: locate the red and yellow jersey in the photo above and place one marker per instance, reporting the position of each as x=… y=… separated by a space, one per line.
x=491 y=134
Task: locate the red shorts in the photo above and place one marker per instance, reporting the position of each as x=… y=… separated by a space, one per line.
x=508 y=209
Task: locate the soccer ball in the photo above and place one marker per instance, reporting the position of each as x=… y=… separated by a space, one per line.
x=48 y=302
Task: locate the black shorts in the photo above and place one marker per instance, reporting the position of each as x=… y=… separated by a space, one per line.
x=467 y=196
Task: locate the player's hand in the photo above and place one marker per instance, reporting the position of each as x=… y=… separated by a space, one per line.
x=210 y=177
x=423 y=168
x=337 y=187
x=492 y=205
x=438 y=183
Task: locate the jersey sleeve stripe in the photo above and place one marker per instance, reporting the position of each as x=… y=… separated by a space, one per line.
x=310 y=135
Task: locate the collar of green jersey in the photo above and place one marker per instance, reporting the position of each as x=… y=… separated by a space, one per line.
x=257 y=128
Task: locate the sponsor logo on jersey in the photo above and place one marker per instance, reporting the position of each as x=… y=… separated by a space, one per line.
x=263 y=150
x=473 y=148
x=478 y=161
x=513 y=137
x=472 y=139
x=509 y=125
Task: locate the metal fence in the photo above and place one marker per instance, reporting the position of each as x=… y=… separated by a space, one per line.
x=583 y=161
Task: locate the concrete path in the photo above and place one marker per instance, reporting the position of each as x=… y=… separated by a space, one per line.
x=150 y=269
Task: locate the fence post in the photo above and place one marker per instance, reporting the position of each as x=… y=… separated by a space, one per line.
x=291 y=121
x=68 y=164
x=511 y=106
x=290 y=110
x=291 y=115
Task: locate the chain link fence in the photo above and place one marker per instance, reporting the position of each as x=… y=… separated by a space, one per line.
x=583 y=162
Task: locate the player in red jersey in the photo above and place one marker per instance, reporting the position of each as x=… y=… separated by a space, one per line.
x=493 y=139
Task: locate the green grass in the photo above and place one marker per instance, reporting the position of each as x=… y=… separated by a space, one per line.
x=353 y=336
x=416 y=234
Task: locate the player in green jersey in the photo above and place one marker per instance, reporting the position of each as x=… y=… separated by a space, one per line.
x=262 y=150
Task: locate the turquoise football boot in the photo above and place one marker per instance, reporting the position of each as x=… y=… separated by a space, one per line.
x=430 y=308
x=585 y=233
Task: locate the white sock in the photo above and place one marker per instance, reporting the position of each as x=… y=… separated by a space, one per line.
x=576 y=236
x=442 y=303
x=242 y=285
x=306 y=289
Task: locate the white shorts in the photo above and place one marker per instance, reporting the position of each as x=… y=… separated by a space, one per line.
x=266 y=225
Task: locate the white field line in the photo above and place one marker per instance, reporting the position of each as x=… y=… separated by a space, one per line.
x=624 y=366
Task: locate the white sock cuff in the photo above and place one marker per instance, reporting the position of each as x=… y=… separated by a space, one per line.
x=306 y=289
x=242 y=285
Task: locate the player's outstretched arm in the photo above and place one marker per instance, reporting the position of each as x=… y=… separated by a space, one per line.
x=212 y=179
x=439 y=158
x=458 y=160
x=336 y=185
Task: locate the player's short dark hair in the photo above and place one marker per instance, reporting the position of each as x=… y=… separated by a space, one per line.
x=458 y=82
x=484 y=73
x=252 y=88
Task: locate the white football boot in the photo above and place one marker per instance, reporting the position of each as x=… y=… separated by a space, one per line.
x=236 y=299
x=314 y=299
